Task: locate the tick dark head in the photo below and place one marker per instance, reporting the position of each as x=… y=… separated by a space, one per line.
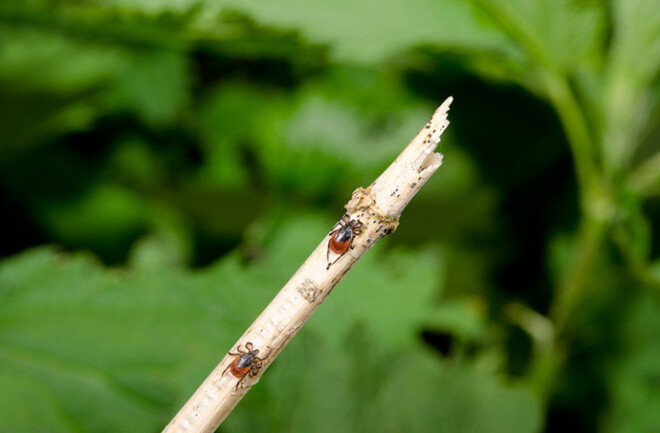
x=246 y=359
x=345 y=233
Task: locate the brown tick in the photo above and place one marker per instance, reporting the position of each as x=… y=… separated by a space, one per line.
x=341 y=239
x=246 y=362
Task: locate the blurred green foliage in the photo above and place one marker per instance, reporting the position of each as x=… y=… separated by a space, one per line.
x=165 y=166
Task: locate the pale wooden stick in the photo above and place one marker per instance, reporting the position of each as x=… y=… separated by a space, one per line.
x=377 y=208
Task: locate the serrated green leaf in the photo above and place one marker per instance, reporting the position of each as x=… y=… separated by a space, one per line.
x=106 y=342
x=634 y=65
x=369 y=31
x=565 y=35
x=137 y=341
x=365 y=31
x=359 y=386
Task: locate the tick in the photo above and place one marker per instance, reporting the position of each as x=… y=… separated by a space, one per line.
x=341 y=239
x=246 y=363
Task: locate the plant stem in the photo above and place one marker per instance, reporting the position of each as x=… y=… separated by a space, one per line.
x=579 y=139
x=573 y=288
x=645 y=180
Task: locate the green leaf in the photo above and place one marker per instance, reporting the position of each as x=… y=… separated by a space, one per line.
x=72 y=66
x=364 y=31
x=155 y=86
x=564 y=35
x=359 y=386
x=342 y=129
x=118 y=210
x=368 y=31
x=633 y=379
x=464 y=318
x=101 y=342
x=94 y=343
x=634 y=66
x=228 y=119
x=46 y=81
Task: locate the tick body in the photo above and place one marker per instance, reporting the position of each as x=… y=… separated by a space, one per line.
x=341 y=239
x=246 y=363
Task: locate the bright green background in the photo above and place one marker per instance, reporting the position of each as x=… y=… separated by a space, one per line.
x=166 y=165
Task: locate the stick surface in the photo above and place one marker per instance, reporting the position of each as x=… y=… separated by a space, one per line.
x=378 y=209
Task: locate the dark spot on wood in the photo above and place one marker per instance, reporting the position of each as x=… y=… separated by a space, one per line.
x=309 y=290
